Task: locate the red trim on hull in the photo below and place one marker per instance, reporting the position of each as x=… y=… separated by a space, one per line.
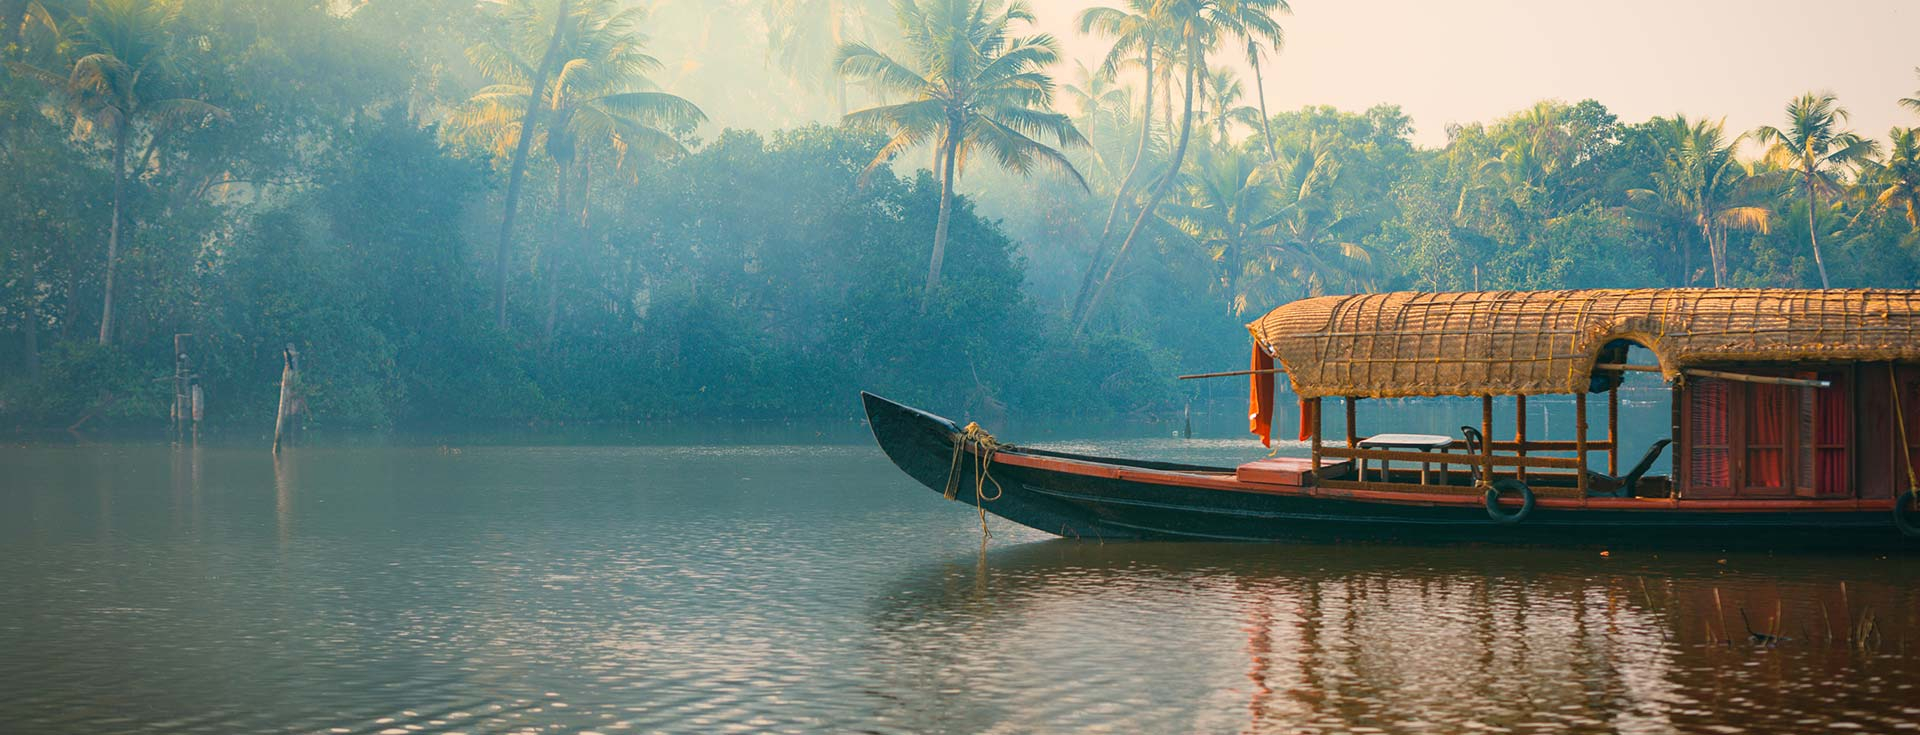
x=1226 y=481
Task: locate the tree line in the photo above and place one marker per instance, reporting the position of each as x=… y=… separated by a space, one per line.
x=504 y=216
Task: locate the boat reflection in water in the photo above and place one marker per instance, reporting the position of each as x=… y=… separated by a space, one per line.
x=1149 y=637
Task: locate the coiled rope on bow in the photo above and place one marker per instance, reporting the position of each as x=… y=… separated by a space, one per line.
x=983 y=446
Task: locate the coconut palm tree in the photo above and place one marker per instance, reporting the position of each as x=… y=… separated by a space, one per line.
x=803 y=36
x=1097 y=98
x=1199 y=25
x=1898 y=179
x=1223 y=94
x=1706 y=184
x=972 y=86
x=1273 y=36
x=1226 y=199
x=600 y=100
x=113 y=91
x=1141 y=34
x=525 y=23
x=1311 y=241
x=1816 y=153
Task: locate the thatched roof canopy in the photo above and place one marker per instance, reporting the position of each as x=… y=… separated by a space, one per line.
x=1534 y=342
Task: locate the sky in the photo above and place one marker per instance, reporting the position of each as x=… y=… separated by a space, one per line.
x=1460 y=61
x=1464 y=61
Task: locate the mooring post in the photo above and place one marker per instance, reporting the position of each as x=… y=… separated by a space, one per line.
x=289 y=374
x=182 y=366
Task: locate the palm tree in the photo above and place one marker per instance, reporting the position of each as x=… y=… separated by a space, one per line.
x=119 y=47
x=525 y=20
x=1705 y=182
x=1223 y=93
x=1311 y=239
x=1199 y=25
x=1227 y=198
x=1815 y=152
x=1140 y=33
x=803 y=36
x=1898 y=180
x=600 y=100
x=1098 y=99
x=972 y=86
x=1276 y=37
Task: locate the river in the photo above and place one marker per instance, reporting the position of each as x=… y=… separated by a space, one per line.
x=792 y=580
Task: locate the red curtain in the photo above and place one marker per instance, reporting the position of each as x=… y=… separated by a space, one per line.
x=1766 y=435
x=1831 y=417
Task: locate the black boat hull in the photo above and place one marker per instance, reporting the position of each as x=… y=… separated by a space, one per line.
x=1099 y=498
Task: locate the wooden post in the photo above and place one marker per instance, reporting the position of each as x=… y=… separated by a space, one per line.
x=1353 y=439
x=182 y=407
x=1313 y=405
x=1520 y=434
x=289 y=374
x=1580 y=444
x=1486 y=439
x=199 y=403
x=1613 y=431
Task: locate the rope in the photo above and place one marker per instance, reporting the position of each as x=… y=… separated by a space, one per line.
x=1900 y=420
x=983 y=446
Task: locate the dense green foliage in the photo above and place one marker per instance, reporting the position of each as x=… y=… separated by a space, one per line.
x=302 y=172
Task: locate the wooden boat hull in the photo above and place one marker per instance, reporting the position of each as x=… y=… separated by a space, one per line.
x=1103 y=498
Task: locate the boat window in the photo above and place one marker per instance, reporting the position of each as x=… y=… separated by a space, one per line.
x=1709 y=466
x=1764 y=440
x=1766 y=437
x=1831 y=420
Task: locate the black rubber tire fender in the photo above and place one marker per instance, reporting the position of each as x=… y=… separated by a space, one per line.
x=1905 y=517
x=1504 y=486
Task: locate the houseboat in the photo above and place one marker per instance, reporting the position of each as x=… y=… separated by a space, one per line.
x=1795 y=423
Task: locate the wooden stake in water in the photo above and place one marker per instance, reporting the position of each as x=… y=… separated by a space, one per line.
x=289 y=375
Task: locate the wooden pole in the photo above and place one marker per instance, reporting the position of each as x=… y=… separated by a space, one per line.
x=1313 y=404
x=289 y=374
x=1520 y=434
x=1767 y=379
x=1580 y=443
x=182 y=410
x=1353 y=439
x=1486 y=438
x=1234 y=373
x=1613 y=431
x=1624 y=366
x=1742 y=377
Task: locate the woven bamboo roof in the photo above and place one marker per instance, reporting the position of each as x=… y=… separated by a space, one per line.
x=1534 y=342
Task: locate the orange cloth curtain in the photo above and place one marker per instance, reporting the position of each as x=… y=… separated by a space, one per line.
x=1309 y=418
x=1260 y=398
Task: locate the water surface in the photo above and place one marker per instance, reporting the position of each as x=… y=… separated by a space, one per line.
x=795 y=586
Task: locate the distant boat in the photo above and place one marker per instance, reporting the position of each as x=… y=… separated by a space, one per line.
x=1796 y=424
